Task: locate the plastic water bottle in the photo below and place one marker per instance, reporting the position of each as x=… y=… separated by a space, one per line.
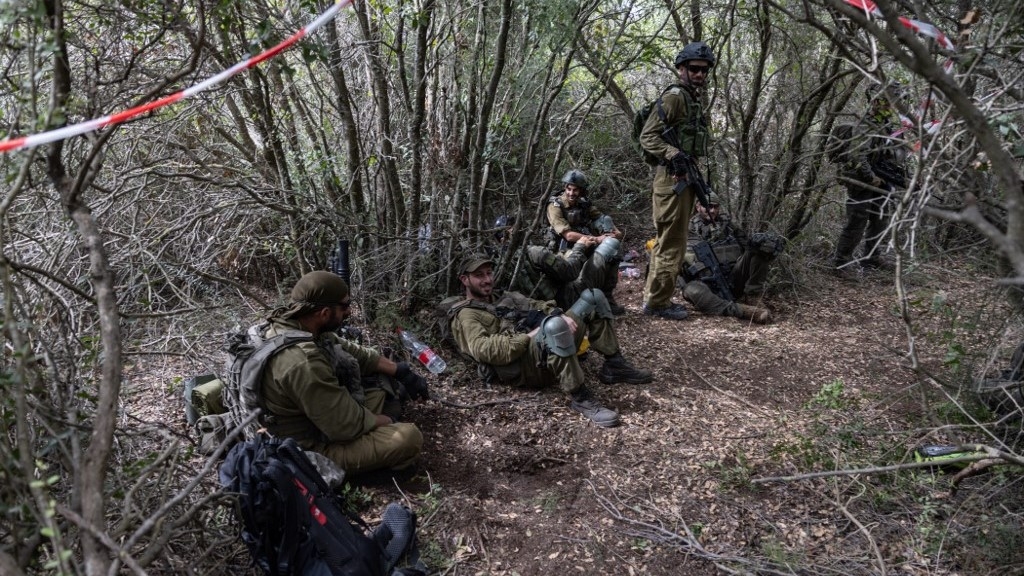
x=422 y=352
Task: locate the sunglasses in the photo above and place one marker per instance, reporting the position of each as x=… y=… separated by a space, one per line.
x=698 y=69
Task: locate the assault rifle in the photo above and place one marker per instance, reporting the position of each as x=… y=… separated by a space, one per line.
x=337 y=261
x=685 y=165
x=891 y=173
x=717 y=279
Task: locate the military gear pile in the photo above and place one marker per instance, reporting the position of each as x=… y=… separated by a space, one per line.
x=239 y=390
x=292 y=523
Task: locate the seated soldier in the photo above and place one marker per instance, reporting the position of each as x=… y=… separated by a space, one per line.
x=526 y=342
x=573 y=220
x=743 y=265
x=313 y=392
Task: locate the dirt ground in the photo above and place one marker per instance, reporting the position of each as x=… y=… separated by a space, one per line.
x=521 y=485
x=512 y=482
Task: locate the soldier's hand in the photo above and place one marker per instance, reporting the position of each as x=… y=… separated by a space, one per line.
x=414 y=384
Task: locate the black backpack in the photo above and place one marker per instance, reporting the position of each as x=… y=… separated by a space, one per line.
x=293 y=524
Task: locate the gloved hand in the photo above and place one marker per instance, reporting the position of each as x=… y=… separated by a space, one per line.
x=767 y=242
x=414 y=384
x=679 y=164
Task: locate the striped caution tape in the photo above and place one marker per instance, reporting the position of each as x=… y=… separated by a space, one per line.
x=114 y=119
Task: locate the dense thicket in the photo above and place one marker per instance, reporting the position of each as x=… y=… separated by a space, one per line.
x=406 y=127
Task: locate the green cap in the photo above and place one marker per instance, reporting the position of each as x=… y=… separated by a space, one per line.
x=473 y=262
x=314 y=290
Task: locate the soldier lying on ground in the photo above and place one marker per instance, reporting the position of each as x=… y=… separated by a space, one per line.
x=742 y=263
x=526 y=342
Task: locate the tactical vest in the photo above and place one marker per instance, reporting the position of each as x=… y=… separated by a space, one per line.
x=693 y=128
x=506 y=308
x=577 y=216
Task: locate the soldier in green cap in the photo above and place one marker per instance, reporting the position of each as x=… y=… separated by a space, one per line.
x=313 y=392
x=526 y=342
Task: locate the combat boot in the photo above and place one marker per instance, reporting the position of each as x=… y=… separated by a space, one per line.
x=585 y=404
x=671 y=312
x=850 y=272
x=618 y=370
x=617 y=309
x=755 y=314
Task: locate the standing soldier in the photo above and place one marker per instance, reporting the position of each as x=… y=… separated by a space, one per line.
x=873 y=165
x=574 y=220
x=678 y=116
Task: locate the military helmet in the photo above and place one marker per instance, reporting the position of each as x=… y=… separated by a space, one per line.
x=576 y=178
x=504 y=221
x=695 y=51
x=714 y=198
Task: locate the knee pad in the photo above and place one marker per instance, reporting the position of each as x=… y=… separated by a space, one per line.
x=556 y=336
x=608 y=249
x=603 y=224
x=592 y=300
x=694 y=290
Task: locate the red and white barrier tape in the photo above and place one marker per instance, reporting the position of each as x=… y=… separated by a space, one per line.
x=114 y=119
x=924 y=29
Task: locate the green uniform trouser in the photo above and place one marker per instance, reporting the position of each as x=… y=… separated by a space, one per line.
x=538 y=370
x=747 y=278
x=393 y=446
x=866 y=219
x=573 y=272
x=672 y=222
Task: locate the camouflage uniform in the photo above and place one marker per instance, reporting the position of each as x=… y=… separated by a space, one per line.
x=599 y=272
x=747 y=266
x=564 y=277
x=488 y=332
x=671 y=211
x=874 y=153
x=313 y=394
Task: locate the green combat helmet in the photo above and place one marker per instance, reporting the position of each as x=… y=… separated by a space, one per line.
x=695 y=51
x=576 y=178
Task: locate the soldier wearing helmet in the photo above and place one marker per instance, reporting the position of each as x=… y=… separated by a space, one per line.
x=679 y=114
x=743 y=261
x=573 y=221
x=530 y=343
x=872 y=169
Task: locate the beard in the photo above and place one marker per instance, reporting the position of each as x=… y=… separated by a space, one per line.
x=480 y=292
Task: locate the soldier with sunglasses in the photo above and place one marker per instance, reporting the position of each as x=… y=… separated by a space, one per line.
x=677 y=127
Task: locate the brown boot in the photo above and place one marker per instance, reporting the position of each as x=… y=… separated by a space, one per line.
x=752 y=313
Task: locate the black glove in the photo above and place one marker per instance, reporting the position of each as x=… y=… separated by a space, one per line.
x=679 y=165
x=414 y=384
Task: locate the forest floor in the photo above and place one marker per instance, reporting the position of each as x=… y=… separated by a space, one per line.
x=519 y=484
x=526 y=486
